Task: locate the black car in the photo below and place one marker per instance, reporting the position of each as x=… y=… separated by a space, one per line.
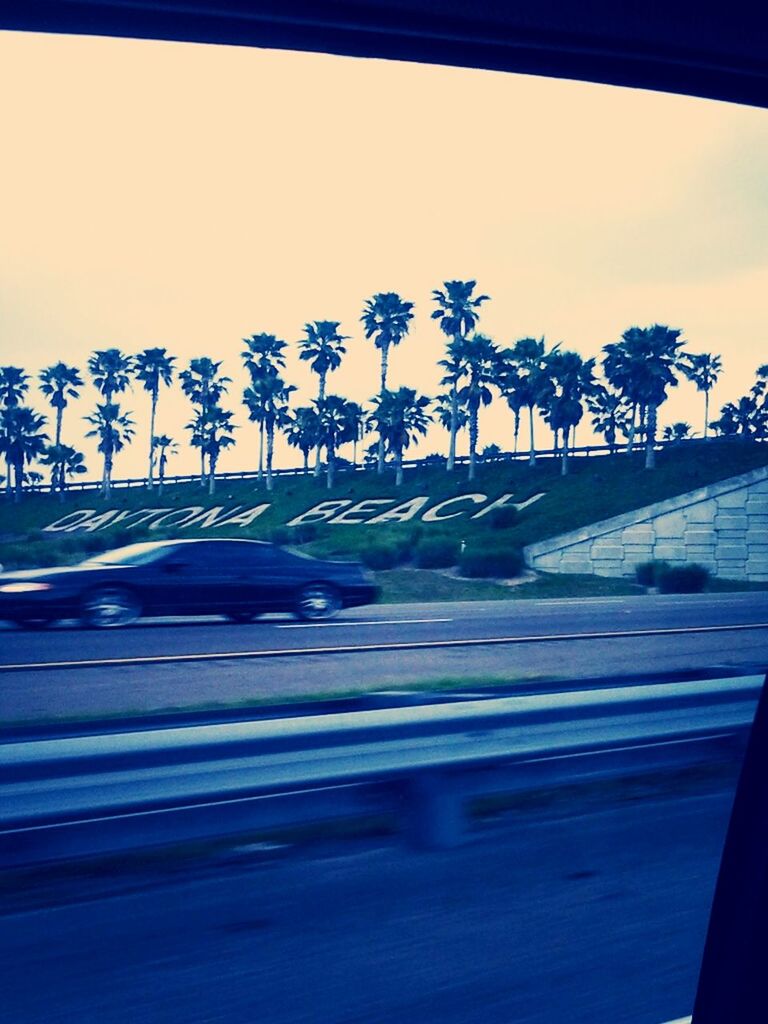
x=236 y=578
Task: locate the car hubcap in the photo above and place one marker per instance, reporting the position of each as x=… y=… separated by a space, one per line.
x=112 y=608
x=318 y=602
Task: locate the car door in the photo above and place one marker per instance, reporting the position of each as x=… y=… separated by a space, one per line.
x=201 y=578
x=270 y=584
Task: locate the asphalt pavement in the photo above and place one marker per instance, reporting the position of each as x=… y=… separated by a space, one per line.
x=67 y=671
x=587 y=913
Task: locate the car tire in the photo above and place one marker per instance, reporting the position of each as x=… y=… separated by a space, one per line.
x=241 y=618
x=110 y=608
x=317 y=601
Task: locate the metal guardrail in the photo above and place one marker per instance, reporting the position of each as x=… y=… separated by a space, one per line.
x=584 y=451
x=86 y=795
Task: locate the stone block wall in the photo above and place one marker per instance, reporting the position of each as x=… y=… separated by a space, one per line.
x=723 y=526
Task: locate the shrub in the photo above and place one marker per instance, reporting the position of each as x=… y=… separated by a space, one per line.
x=305 y=532
x=437 y=553
x=281 y=535
x=93 y=543
x=683 y=579
x=381 y=556
x=647 y=573
x=480 y=561
x=501 y=518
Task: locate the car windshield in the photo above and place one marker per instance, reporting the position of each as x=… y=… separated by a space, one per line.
x=132 y=554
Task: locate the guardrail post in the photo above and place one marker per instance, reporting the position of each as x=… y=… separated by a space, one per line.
x=435 y=812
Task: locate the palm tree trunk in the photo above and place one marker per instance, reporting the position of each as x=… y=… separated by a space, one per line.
x=650 y=438
x=706 y=413
x=564 y=459
x=331 y=456
x=18 y=476
x=152 y=413
x=454 y=425
x=632 y=428
x=532 y=454
x=59 y=471
x=261 y=451
x=473 y=417
x=320 y=397
x=202 y=466
x=305 y=453
x=270 y=450
x=211 y=474
x=517 y=429
x=399 y=467
x=383 y=388
x=107 y=481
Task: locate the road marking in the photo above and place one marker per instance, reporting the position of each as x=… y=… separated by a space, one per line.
x=373 y=622
x=680 y=1020
x=412 y=645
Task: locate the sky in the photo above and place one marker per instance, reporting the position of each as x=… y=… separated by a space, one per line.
x=188 y=196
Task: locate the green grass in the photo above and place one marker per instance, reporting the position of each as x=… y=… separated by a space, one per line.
x=595 y=489
x=422 y=585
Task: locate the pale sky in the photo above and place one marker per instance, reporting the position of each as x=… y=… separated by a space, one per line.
x=156 y=193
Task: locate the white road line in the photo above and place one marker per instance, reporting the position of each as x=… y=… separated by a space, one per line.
x=373 y=622
x=383 y=645
x=680 y=1020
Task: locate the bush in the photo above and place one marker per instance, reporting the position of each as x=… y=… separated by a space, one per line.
x=281 y=535
x=437 y=553
x=305 y=532
x=647 y=573
x=683 y=579
x=501 y=518
x=381 y=556
x=477 y=561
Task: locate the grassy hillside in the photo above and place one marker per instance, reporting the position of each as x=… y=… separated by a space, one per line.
x=596 y=488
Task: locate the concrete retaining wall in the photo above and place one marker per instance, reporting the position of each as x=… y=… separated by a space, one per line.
x=723 y=526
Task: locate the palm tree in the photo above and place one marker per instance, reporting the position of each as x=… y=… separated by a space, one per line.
x=204 y=387
x=111 y=371
x=22 y=440
x=573 y=380
x=401 y=416
x=164 y=447
x=64 y=461
x=302 y=431
x=153 y=367
x=356 y=427
x=655 y=374
x=534 y=386
x=481 y=358
x=609 y=414
x=334 y=429
x=13 y=386
x=739 y=418
x=114 y=431
x=443 y=408
x=677 y=432
x=386 y=319
x=211 y=431
x=322 y=348
x=703 y=370
x=455 y=367
x=622 y=368
x=59 y=383
x=509 y=383
x=263 y=351
x=267 y=402
x=457 y=313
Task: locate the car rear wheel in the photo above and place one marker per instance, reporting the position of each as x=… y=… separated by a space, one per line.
x=317 y=601
x=110 y=607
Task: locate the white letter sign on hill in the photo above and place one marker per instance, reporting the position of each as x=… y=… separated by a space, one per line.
x=339 y=511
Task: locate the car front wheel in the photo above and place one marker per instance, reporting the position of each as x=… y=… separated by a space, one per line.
x=110 y=607
x=317 y=601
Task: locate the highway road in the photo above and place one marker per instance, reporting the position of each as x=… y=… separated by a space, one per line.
x=589 y=912
x=66 y=671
